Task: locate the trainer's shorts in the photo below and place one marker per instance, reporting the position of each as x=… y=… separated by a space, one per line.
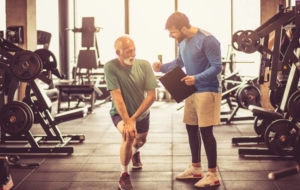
x=203 y=109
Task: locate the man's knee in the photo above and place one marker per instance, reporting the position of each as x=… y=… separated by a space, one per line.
x=141 y=140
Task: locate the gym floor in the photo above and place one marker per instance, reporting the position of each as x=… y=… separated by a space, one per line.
x=95 y=162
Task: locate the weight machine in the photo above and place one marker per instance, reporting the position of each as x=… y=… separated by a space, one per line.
x=17 y=117
x=291 y=170
x=244 y=93
x=280 y=130
x=85 y=86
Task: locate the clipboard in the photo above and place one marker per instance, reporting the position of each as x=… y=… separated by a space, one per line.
x=178 y=89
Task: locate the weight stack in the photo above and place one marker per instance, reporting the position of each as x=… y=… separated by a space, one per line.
x=6 y=182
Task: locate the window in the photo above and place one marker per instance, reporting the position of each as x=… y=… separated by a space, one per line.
x=246 y=16
x=2 y=16
x=109 y=15
x=47 y=20
x=212 y=16
x=147 y=28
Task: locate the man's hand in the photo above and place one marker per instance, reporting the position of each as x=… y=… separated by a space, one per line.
x=156 y=66
x=129 y=130
x=189 y=80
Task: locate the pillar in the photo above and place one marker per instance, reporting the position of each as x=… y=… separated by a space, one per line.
x=23 y=13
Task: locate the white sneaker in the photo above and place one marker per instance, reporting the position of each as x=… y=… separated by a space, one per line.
x=210 y=179
x=190 y=173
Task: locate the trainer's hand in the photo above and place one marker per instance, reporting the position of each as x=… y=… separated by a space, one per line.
x=189 y=80
x=156 y=66
x=129 y=131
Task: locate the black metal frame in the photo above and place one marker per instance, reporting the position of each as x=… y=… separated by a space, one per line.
x=279 y=21
x=42 y=110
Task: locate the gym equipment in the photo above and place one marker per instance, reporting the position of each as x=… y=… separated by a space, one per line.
x=26 y=66
x=297 y=150
x=17 y=117
x=294 y=106
x=228 y=62
x=14 y=161
x=260 y=125
x=230 y=85
x=248 y=42
x=281 y=136
x=15 y=34
x=234 y=40
x=248 y=95
x=245 y=94
x=291 y=170
x=277 y=94
x=284 y=172
x=43 y=38
x=263 y=118
x=6 y=182
x=50 y=67
x=84 y=87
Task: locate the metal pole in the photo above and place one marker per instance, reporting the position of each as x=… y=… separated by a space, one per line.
x=126 y=3
x=176 y=45
x=74 y=26
x=63 y=11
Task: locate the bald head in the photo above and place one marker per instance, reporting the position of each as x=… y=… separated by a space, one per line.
x=125 y=49
x=122 y=42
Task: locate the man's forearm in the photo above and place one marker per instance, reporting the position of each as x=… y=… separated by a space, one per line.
x=148 y=101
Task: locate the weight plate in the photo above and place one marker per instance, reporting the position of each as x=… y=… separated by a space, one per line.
x=248 y=41
x=26 y=66
x=248 y=95
x=234 y=40
x=260 y=125
x=30 y=114
x=280 y=137
x=16 y=118
x=294 y=106
x=48 y=58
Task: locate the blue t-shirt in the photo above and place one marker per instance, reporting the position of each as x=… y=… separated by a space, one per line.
x=201 y=57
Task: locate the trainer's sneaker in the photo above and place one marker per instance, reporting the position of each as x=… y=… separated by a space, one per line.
x=210 y=179
x=190 y=173
x=136 y=160
x=125 y=182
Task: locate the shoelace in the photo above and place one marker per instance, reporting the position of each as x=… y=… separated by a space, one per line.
x=209 y=175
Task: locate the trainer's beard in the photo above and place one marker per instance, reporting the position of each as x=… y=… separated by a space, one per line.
x=181 y=37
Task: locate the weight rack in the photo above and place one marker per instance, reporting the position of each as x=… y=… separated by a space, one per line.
x=18 y=66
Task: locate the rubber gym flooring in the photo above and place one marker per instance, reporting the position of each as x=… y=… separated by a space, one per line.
x=94 y=164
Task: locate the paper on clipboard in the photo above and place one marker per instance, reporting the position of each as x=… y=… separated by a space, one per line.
x=177 y=88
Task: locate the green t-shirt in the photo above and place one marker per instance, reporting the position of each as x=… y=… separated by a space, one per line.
x=133 y=82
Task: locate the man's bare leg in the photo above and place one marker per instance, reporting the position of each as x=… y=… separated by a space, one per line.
x=139 y=141
x=125 y=150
